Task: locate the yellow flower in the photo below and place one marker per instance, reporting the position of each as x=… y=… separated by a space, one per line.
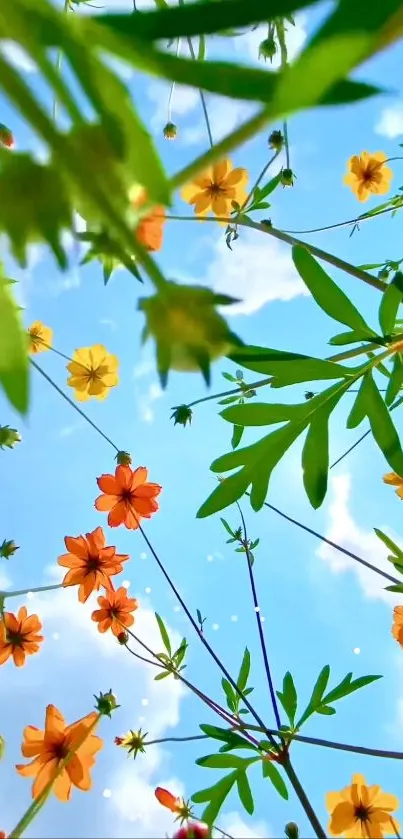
x=40 y=337
x=368 y=174
x=216 y=188
x=93 y=372
x=395 y=481
x=362 y=811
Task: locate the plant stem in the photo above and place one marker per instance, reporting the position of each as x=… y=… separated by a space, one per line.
x=304 y=800
x=201 y=94
x=22 y=591
x=347 y=223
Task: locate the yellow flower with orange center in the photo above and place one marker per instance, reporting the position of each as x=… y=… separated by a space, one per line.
x=215 y=189
x=396 y=481
x=39 y=337
x=368 y=174
x=362 y=812
x=93 y=372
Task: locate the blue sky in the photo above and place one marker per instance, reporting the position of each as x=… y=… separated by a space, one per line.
x=318 y=606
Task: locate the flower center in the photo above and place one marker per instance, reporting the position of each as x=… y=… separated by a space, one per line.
x=371 y=173
x=92 y=375
x=93 y=563
x=362 y=813
x=126 y=496
x=16 y=639
x=216 y=189
x=60 y=750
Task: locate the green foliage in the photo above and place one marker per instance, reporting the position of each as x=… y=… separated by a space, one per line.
x=13 y=350
x=172 y=661
x=396 y=558
x=288 y=698
x=321 y=702
x=391 y=300
x=232 y=697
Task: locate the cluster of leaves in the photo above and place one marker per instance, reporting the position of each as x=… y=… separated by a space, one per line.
x=172 y=660
x=258 y=460
x=396 y=558
x=246 y=392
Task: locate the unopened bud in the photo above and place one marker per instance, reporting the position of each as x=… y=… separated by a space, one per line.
x=291 y=830
x=267 y=48
x=287 y=177
x=276 y=140
x=123 y=459
x=170 y=131
x=106 y=703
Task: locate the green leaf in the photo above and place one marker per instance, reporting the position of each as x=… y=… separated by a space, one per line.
x=216 y=795
x=13 y=350
x=228 y=400
x=270 y=771
x=162 y=676
x=315 y=454
x=244 y=671
x=256 y=413
x=325 y=292
x=227 y=527
x=381 y=22
x=320 y=686
x=215 y=732
x=227 y=492
x=398 y=553
x=229 y=694
x=201 y=52
x=396 y=379
x=288 y=697
x=354 y=337
x=326 y=711
x=245 y=792
x=264 y=191
x=164 y=634
x=348 y=686
x=237 y=434
x=221 y=761
x=390 y=302
x=359 y=409
x=287 y=367
x=383 y=429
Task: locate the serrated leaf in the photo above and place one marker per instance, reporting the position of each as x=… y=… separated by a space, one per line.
x=164 y=634
x=14 y=377
x=270 y=771
x=325 y=291
x=245 y=792
x=243 y=675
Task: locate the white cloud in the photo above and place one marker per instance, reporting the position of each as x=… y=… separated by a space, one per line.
x=145 y=366
x=145 y=401
x=345 y=531
x=390 y=123
x=257 y=271
x=17 y=56
x=5 y=582
x=236 y=826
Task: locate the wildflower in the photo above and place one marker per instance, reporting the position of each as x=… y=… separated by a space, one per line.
x=8 y=548
x=172 y=803
x=115 y=611
x=216 y=188
x=91 y=563
x=188 y=331
x=127 y=496
x=9 y=437
x=19 y=636
x=193 y=830
x=123 y=459
x=50 y=747
x=6 y=136
x=150 y=229
x=133 y=741
x=397 y=628
x=267 y=49
x=182 y=415
x=287 y=177
x=123 y=638
x=93 y=372
x=361 y=811
x=106 y=703
x=40 y=337
x=276 y=140
x=170 y=131
x=368 y=174
x=394 y=480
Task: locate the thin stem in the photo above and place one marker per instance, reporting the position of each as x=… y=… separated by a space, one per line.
x=279 y=25
x=73 y=405
x=171 y=92
x=394 y=827
x=347 y=223
x=304 y=800
x=258 y=620
x=332 y=544
x=259 y=178
x=199 y=634
x=252 y=386
x=20 y=592
x=176 y=739
x=290 y=240
x=202 y=96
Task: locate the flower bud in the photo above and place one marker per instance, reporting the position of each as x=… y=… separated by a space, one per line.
x=182 y=414
x=8 y=548
x=267 y=48
x=9 y=437
x=123 y=638
x=291 y=830
x=276 y=140
x=106 y=703
x=170 y=131
x=287 y=177
x=6 y=136
x=123 y=459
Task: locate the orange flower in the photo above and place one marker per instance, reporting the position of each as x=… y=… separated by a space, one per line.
x=2 y=835
x=395 y=481
x=50 y=747
x=18 y=636
x=91 y=563
x=150 y=229
x=397 y=628
x=115 y=611
x=362 y=811
x=368 y=174
x=215 y=189
x=175 y=805
x=128 y=497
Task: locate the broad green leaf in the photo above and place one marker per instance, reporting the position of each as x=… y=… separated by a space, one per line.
x=227 y=492
x=320 y=686
x=243 y=675
x=325 y=292
x=315 y=453
x=397 y=552
x=354 y=337
x=14 y=377
x=264 y=191
x=215 y=732
x=229 y=694
x=398 y=589
x=396 y=379
x=216 y=797
x=288 y=367
x=245 y=792
x=270 y=771
x=162 y=676
x=237 y=434
x=382 y=22
x=390 y=302
x=164 y=634
x=256 y=413
x=288 y=697
x=222 y=761
x=359 y=409
x=383 y=429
